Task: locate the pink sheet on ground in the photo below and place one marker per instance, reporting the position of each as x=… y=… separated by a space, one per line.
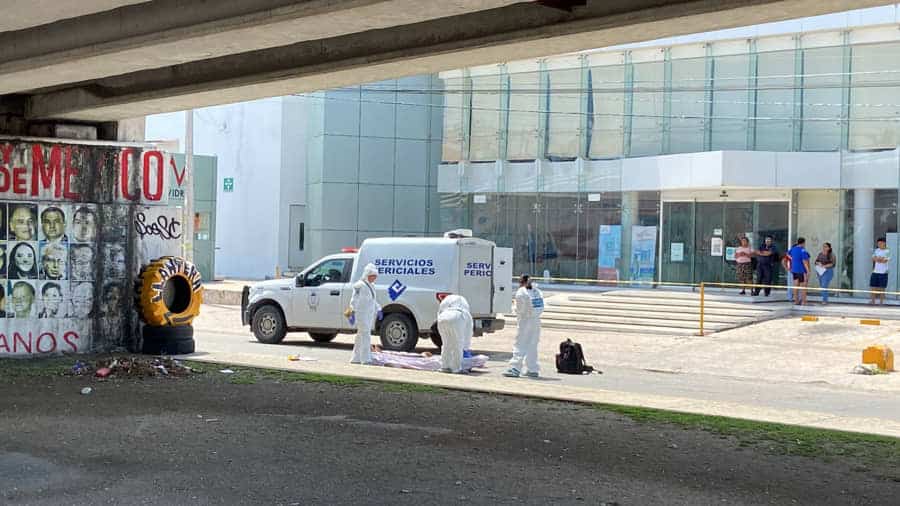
x=418 y=362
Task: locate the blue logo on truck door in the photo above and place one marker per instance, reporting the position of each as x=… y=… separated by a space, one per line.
x=396 y=289
x=405 y=266
x=478 y=270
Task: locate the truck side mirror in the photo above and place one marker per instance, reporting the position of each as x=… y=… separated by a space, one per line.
x=300 y=281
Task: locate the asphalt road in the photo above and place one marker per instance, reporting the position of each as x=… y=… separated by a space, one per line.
x=204 y=440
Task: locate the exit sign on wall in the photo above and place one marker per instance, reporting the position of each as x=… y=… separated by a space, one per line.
x=228 y=184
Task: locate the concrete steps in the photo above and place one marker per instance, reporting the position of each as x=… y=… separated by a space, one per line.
x=652 y=312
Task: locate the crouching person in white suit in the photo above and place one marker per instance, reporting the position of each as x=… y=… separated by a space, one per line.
x=455 y=328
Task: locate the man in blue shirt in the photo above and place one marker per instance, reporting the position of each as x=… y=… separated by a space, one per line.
x=799 y=270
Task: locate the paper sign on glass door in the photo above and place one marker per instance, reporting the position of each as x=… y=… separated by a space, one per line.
x=715 y=247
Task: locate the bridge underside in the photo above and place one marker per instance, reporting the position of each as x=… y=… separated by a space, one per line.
x=147 y=57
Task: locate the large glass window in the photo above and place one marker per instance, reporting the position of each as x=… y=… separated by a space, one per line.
x=822 y=98
x=564 y=113
x=453 y=119
x=688 y=123
x=731 y=84
x=608 y=101
x=484 y=140
x=875 y=97
x=647 y=109
x=524 y=116
x=775 y=101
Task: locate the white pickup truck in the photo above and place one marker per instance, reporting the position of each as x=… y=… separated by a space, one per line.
x=415 y=274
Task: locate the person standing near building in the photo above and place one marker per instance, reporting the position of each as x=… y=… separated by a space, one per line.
x=799 y=270
x=364 y=309
x=881 y=258
x=766 y=261
x=743 y=257
x=825 y=269
x=529 y=306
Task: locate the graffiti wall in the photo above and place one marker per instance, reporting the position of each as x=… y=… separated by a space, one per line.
x=77 y=221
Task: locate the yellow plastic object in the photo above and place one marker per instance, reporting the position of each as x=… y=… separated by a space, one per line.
x=870 y=322
x=880 y=355
x=170 y=292
x=808 y=318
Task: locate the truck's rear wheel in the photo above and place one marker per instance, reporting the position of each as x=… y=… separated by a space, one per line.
x=322 y=337
x=268 y=325
x=398 y=333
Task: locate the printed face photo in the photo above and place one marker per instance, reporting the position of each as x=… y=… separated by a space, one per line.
x=23 y=222
x=84 y=224
x=53 y=223
x=22 y=262
x=22 y=295
x=3 y=260
x=51 y=301
x=112 y=296
x=53 y=261
x=82 y=300
x=82 y=265
x=114 y=261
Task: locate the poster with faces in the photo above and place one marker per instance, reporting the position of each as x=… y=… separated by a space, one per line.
x=48 y=260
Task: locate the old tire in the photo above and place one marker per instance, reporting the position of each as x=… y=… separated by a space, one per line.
x=398 y=333
x=268 y=325
x=168 y=340
x=169 y=292
x=322 y=337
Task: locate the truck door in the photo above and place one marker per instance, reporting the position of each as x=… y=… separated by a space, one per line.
x=476 y=279
x=317 y=304
x=504 y=289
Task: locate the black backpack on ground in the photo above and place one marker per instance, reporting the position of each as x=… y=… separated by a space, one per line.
x=570 y=359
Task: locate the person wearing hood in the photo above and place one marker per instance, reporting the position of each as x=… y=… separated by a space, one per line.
x=529 y=306
x=455 y=328
x=364 y=309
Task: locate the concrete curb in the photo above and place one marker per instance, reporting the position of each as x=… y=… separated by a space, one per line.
x=548 y=389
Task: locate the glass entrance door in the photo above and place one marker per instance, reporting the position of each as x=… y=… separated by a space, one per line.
x=699 y=237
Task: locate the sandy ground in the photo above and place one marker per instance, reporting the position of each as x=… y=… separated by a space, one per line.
x=204 y=440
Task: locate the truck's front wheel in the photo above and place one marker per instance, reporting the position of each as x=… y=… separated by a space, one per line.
x=398 y=333
x=268 y=325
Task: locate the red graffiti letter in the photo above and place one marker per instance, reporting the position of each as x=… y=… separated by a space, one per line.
x=42 y=175
x=6 y=151
x=19 y=181
x=160 y=166
x=26 y=345
x=41 y=340
x=3 y=344
x=123 y=176
x=71 y=172
x=6 y=182
x=179 y=178
x=68 y=336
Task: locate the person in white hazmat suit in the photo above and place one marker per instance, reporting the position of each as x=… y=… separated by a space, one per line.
x=529 y=306
x=364 y=309
x=455 y=327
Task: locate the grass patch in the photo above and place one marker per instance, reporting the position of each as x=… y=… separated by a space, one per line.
x=875 y=452
x=17 y=368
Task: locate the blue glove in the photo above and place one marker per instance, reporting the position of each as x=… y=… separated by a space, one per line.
x=352 y=318
x=380 y=315
x=467 y=353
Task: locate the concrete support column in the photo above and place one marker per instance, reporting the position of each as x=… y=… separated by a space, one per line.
x=629 y=219
x=863 y=236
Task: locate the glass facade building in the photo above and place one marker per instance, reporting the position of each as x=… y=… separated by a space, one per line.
x=650 y=163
